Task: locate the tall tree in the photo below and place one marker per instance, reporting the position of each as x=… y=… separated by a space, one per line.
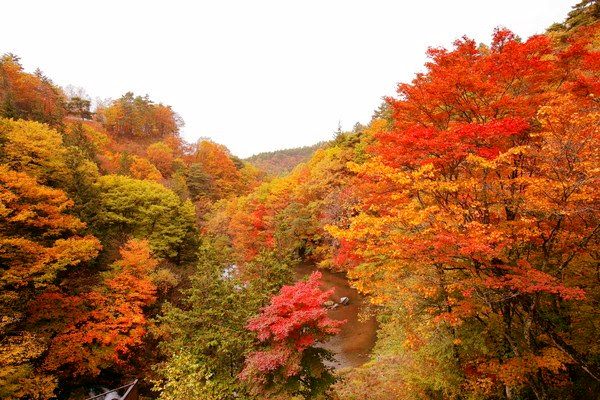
x=204 y=339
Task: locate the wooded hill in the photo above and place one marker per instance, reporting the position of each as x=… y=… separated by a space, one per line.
x=281 y=162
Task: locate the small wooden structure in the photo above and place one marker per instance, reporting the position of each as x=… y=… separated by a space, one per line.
x=125 y=392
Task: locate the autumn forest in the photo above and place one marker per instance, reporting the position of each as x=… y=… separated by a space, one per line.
x=465 y=215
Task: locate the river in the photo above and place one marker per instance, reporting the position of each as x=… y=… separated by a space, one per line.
x=354 y=343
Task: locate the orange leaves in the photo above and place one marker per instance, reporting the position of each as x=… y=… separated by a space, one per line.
x=161 y=155
x=32 y=220
x=100 y=327
x=26 y=203
x=479 y=215
x=475 y=85
x=138 y=117
x=516 y=371
x=444 y=147
x=525 y=279
x=143 y=169
x=462 y=179
x=571 y=137
x=38 y=241
x=288 y=214
x=131 y=279
x=223 y=178
x=28 y=96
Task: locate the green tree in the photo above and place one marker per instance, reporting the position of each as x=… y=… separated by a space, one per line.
x=586 y=12
x=146 y=210
x=205 y=340
x=198 y=181
x=79 y=107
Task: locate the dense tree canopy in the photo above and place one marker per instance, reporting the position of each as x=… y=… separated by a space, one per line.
x=483 y=200
x=145 y=210
x=28 y=96
x=97 y=329
x=466 y=212
x=38 y=241
x=133 y=117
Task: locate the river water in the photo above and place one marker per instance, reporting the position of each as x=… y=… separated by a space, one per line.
x=357 y=337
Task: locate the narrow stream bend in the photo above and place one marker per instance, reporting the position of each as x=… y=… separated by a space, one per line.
x=354 y=343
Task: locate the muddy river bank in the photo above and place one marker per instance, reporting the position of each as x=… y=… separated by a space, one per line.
x=357 y=337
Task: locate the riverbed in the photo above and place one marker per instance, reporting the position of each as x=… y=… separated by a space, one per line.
x=354 y=343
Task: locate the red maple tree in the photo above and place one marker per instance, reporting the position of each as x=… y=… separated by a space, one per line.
x=291 y=325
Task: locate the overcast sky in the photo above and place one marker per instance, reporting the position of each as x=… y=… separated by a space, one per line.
x=254 y=75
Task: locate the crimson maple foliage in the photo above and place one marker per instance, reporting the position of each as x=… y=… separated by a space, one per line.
x=295 y=320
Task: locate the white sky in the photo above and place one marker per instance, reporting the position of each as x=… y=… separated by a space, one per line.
x=254 y=75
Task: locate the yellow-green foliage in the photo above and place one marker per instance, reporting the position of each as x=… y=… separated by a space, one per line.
x=33 y=148
x=146 y=210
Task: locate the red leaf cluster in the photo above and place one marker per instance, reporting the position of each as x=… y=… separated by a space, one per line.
x=295 y=320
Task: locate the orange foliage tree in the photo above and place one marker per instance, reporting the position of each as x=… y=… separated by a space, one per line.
x=161 y=155
x=479 y=225
x=141 y=168
x=99 y=328
x=38 y=238
x=288 y=214
x=218 y=175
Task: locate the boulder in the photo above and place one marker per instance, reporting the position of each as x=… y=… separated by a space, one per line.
x=344 y=301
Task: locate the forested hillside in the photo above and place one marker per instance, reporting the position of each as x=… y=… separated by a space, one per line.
x=280 y=162
x=466 y=212
x=98 y=223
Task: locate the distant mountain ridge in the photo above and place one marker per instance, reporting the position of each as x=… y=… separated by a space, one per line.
x=280 y=162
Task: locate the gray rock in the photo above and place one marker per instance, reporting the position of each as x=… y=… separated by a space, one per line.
x=344 y=301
